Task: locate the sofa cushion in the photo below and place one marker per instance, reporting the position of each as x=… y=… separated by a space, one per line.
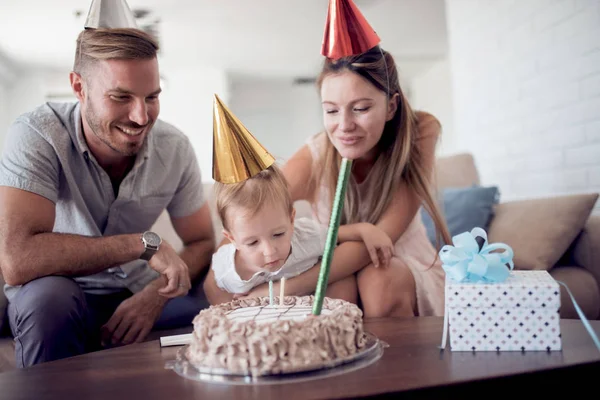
x=457 y=170
x=584 y=288
x=586 y=252
x=464 y=209
x=540 y=230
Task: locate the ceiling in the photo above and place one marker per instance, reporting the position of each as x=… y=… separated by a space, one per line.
x=245 y=37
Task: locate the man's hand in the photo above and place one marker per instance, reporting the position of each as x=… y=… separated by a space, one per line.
x=134 y=318
x=171 y=266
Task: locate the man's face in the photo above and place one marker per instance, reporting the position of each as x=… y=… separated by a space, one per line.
x=119 y=105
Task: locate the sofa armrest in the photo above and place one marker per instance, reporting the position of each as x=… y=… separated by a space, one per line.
x=586 y=248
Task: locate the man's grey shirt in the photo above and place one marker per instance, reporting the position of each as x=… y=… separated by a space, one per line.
x=45 y=152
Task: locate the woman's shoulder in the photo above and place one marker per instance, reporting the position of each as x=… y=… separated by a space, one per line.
x=427 y=124
x=316 y=143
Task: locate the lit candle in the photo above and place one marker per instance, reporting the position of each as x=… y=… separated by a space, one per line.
x=281 y=291
x=334 y=223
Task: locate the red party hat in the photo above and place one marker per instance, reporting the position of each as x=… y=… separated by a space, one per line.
x=347 y=32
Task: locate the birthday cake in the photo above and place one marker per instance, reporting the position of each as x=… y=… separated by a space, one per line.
x=252 y=337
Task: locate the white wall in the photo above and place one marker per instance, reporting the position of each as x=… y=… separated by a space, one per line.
x=526 y=80
x=187 y=103
x=7 y=76
x=3 y=111
x=432 y=92
x=29 y=88
x=281 y=115
x=32 y=87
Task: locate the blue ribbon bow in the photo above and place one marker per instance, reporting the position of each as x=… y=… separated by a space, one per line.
x=471 y=258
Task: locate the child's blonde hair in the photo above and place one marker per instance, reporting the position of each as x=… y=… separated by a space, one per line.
x=266 y=187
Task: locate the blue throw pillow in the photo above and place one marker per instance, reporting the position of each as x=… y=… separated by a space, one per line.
x=464 y=209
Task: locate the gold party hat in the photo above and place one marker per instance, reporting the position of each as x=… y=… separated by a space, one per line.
x=237 y=155
x=110 y=14
x=347 y=32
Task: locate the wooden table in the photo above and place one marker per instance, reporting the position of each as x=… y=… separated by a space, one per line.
x=412 y=364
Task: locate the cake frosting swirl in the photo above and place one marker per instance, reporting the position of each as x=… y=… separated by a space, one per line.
x=250 y=337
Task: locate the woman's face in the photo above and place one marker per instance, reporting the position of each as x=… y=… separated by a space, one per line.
x=354 y=114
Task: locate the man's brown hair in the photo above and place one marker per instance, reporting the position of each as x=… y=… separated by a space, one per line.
x=107 y=44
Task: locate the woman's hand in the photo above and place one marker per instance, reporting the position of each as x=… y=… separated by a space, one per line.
x=378 y=243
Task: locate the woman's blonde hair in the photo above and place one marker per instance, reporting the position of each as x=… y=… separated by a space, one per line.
x=107 y=44
x=268 y=187
x=399 y=156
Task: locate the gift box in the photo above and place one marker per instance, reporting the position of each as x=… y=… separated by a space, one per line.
x=520 y=313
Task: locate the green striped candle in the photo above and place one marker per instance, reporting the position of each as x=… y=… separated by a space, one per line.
x=332 y=232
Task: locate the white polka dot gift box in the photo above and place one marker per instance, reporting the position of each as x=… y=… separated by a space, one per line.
x=490 y=307
x=520 y=313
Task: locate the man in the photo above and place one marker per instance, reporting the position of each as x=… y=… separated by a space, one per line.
x=80 y=186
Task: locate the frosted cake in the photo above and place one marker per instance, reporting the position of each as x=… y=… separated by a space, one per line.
x=251 y=337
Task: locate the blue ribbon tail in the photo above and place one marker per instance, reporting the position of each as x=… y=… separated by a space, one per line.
x=584 y=320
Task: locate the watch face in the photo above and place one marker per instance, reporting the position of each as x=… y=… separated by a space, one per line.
x=152 y=239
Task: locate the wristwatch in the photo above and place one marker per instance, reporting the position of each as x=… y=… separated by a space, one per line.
x=151 y=242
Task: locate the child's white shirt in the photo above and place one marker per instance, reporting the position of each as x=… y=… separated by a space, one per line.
x=308 y=244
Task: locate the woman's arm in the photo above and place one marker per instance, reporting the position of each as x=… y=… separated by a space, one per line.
x=348 y=258
x=378 y=243
x=406 y=202
x=298 y=172
x=350 y=233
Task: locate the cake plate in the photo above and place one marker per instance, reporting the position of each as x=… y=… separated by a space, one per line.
x=371 y=353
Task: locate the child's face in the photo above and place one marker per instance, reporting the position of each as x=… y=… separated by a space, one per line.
x=263 y=240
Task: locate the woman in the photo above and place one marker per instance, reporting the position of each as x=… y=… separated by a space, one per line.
x=393 y=152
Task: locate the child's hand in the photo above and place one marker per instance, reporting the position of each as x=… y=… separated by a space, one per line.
x=379 y=244
x=237 y=296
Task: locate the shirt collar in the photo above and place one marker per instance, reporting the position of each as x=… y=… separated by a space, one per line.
x=80 y=142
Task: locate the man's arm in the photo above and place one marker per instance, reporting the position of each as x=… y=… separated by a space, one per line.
x=133 y=319
x=31 y=250
x=196 y=232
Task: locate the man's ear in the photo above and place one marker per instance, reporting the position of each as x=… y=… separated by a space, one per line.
x=393 y=106
x=77 y=86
